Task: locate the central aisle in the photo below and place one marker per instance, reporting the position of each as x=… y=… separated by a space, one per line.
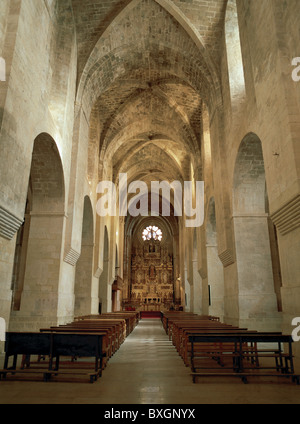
x=146 y=368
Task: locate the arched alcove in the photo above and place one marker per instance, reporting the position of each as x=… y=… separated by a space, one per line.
x=257 y=298
x=38 y=294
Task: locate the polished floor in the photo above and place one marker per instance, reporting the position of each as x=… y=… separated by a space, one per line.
x=148 y=370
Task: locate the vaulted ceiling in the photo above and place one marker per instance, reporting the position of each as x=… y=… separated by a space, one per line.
x=145 y=67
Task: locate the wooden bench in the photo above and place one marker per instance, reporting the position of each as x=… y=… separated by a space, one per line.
x=131 y=318
x=185 y=346
x=26 y=344
x=83 y=345
x=180 y=327
x=181 y=330
x=224 y=355
x=235 y=347
x=117 y=329
x=108 y=344
x=53 y=345
x=114 y=329
x=170 y=320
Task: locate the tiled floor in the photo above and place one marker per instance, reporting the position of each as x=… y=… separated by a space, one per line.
x=148 y=370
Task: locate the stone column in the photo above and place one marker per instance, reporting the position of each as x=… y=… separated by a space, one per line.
x=256 y=294
x=40 y=297
x=215 y=281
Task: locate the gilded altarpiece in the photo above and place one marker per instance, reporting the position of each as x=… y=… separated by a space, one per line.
x=152 y=286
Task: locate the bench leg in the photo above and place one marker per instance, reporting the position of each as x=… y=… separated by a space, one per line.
x=6 y=361
x=287 y=369
x=15 y=362
x=296 y=379
x=47 y=377
x=57 y=363
x=93 y=378
x=96 y=364
x=279 y=362
x=289 y=363
x=25 y=362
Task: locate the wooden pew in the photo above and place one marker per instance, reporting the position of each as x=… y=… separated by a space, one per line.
x=110 y=342
x=166 y=316
x=182 y=330
x=115 y=330
x=25 y=344
x=122 y=322
x=83 y=345
x=131 y=318
x=187 y=318
x=184 y=347
x=118 y=325
x=53 y=345
x=235 y=347
x=220 y=348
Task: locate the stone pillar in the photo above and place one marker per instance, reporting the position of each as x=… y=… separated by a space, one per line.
x=215 y=281
x=40 y=297
x=256 y=294
x=197 y=285
x=83 y=281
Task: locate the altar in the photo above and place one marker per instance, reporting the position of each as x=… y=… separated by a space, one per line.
x=152 y=276
x=151 y=305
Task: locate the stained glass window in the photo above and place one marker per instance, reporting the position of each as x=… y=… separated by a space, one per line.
x=152 y=233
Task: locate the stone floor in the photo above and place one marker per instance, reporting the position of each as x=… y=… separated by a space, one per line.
x=148 y=370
